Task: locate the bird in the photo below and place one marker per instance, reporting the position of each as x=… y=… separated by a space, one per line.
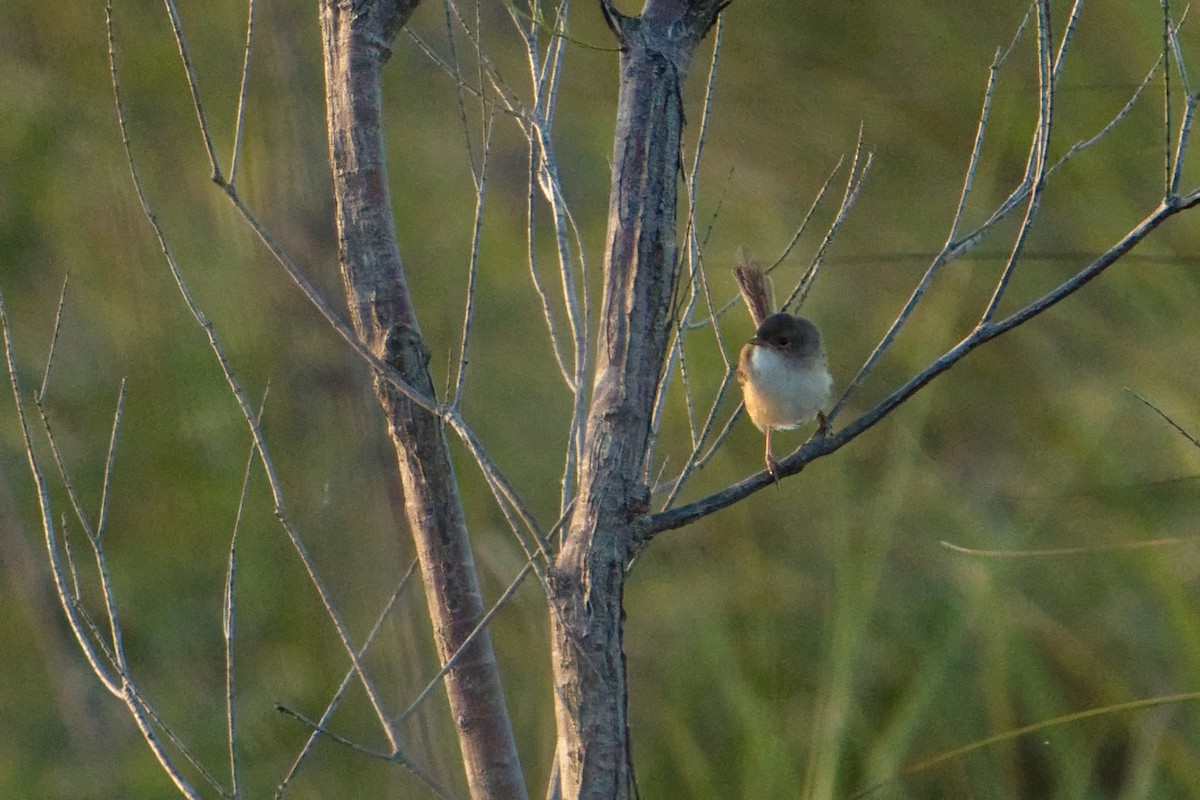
x=783 y=370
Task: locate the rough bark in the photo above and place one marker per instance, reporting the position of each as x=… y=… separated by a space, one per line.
x=357 y=39
x=639 y=282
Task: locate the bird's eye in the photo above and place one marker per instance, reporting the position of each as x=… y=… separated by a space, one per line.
x=783 y=341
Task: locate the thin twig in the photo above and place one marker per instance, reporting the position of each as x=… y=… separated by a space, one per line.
x=325 y=308
x=1190 y=100
x=812 y=208
x=1065 y=43
x=58 y=314
x=473 y=263
x=509 y=104
x=942 y=257
x=193 y=87
x=821 y=446
x=243 y=405
x=1191 y=437
x=1084 y=144
x=504 y=491
x=452 y=662
x=62 y=587
x=856 y=178
x=397 y=757
x=976 y=148
x=956 y=247
x=536 y=126
x=102 y=520
x=1167 y=126
x=695 y=275
x=1039 y=157
x=454 y=64
x=93 y=537
x=240 y=125
x=347 y=679
x=1185 y=130
x=228 y=619
x=119 y=685
x=535 y=276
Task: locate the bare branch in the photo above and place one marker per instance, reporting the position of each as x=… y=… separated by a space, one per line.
x=58 y=313
x=818 y=447
x=1167 y=126
x=955 y=247
x=675 y=351
x=120 y=684
x=193 y=86
x=462 y=648
x=355 y=47
x=57 y=571
x=242 y=401
x=240 y=126
x=228 y=619
x=320 y=726
x=1191 y=437
x=473 y=265
x=1038 y=157
x=856 y=178
x=397 y=757
x=102 y=521
x=812 y=207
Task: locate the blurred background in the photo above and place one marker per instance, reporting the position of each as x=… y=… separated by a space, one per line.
x=808 y=642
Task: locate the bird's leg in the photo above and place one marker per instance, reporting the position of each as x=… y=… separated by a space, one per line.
x=822 y=424
x=772 y=464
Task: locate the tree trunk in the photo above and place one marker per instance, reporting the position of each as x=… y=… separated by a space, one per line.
x=639 y=283
x=357 y=38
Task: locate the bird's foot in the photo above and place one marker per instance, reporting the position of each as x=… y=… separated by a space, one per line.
x=773 y=468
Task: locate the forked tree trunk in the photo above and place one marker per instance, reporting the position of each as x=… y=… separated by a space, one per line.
x=357 y=38
x=640 y=276
x=639 y=283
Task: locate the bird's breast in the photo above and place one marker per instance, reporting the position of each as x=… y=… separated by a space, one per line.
x=782 y=392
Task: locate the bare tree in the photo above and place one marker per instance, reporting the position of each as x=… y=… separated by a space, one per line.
x=616 y=494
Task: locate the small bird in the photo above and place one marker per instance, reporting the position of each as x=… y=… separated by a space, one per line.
x=783 y=372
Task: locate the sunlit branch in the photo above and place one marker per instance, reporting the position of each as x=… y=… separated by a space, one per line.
x=58 y=314
x=451 y=10
x=451 y=662
x=856 y=178
x=240 y=125
x=696 y=276
x=229 y=618
x=118 y=684
x=1039 y=157
x=395 y=756
x=819 y=447
x=193 y=87
x=1191 y=437
x=955 y=247
x=536 y=127
x=473 y=264
x=347 y=679
x=58 y=572
x=243 y=404
x=808 y=216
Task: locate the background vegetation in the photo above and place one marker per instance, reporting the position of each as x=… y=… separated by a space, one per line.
x=812 y=639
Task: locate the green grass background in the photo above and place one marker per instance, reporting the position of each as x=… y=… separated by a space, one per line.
x=808 y=642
